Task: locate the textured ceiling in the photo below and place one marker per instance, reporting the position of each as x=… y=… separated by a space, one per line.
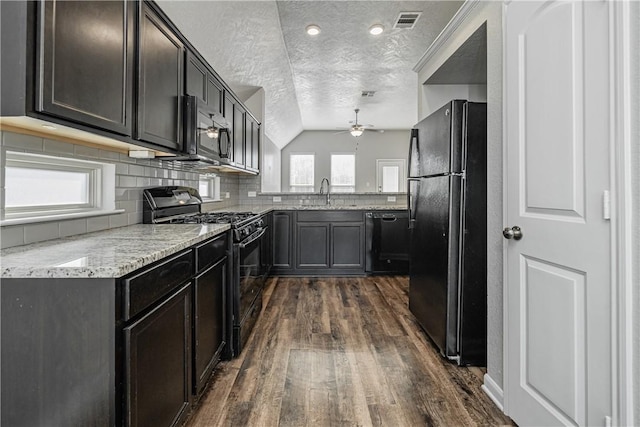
x=315 y=82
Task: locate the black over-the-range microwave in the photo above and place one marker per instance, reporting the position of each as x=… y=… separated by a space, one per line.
x=206 y=133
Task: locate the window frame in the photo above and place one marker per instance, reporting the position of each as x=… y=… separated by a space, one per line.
x=100 y=188
x=338 y=188
x=302 y=188
x=213 y=187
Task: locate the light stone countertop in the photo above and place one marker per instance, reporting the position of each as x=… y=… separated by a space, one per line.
x=103 y=254
x=119 y=251
x=263 y=209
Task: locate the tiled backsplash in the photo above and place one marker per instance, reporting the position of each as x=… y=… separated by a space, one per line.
x=132 y=176
x=251 y=184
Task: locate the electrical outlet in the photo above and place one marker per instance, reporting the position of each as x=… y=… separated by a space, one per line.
x=277 y=198
x=391 y=198
x=226 y=195
x=251 y=194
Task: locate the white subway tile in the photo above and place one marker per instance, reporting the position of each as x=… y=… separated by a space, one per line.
x=119 y=220
x=18 y=140
x=58 y=147
x=73 y=227
x=11 y=236
x=136 y=170
x=97 y=223
x=122 y=169
x=127 y=181
x=81 y=150
x=42 y=231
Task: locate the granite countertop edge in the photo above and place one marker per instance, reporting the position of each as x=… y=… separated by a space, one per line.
x=117 y=252
x=107 y=254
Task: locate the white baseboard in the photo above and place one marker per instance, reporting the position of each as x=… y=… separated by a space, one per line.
x=493 y=390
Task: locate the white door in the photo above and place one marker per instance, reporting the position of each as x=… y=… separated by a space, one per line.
x=557 y=171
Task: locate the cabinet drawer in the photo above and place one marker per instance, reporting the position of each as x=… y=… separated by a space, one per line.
x=147 y=286
x=211 y=251
x=330 y=216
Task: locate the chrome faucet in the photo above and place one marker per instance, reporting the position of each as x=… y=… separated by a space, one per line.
x=328 y=189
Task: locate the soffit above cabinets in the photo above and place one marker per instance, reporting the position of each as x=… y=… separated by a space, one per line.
x=316 y=82
x=467 y=65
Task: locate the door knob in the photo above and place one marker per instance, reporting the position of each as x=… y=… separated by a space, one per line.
x=514 y=233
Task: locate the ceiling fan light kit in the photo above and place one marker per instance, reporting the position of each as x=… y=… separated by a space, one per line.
x=376 y=29
x=356 y=131
x=313 y=30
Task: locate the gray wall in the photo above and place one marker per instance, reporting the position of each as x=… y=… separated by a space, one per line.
x=132 y=176
x=370 y=146
x=435 y=96
x=270 y=167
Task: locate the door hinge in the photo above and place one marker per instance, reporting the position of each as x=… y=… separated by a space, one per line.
x=607 y=421
x=606 y=205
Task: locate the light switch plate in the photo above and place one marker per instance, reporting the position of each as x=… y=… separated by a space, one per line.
x=277 y=198
x=251 y=194
x=391 y=198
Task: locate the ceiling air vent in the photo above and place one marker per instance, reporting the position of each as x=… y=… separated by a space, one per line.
x=368 y=93
x=407 y=20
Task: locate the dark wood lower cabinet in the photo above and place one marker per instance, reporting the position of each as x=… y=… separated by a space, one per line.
x=209 y=322
x=318 y=243
x=312 y=244
x=347 y=245
x=158 y=363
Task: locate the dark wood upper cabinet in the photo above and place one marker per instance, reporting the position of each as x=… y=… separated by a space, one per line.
x=160 y=81
x=86 y=62
x=201 y=82
x=252 y=144
x=238 y=135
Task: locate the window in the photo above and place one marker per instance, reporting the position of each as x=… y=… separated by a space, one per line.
x=343 y=173
x=38 y=186
x=209 y=187
x=391 y=175
x=301 y=172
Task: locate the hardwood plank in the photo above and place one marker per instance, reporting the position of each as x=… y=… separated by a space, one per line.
x=347 y=352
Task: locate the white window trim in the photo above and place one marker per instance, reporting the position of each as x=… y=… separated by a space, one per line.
x=213 y=195
x=101 y=194
x=310 y=187
x=335 y=187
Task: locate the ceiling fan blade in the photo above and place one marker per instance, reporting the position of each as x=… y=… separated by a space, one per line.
x=375 y=130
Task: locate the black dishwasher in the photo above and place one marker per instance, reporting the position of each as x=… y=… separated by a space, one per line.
x=387 y=240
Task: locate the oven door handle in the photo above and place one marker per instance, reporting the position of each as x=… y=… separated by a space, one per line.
x=244 y=244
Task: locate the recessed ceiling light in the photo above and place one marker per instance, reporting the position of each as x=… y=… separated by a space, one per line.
x=51 y=127
x=313 y=30
x=376 y=29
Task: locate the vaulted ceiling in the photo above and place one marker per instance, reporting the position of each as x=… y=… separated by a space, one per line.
x=314 y=83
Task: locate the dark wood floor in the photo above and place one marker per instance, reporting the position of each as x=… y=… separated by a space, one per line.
x=342 y=351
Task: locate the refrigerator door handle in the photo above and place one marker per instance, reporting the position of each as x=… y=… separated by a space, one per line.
x=410 y=200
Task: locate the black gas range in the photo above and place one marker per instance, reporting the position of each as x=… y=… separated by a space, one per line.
x=250 y=266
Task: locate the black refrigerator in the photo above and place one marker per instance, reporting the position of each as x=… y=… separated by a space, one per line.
x=447 y=218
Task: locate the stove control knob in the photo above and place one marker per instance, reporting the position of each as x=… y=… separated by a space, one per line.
x=260 y=222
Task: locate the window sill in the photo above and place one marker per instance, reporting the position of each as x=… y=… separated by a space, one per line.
x=59 y=217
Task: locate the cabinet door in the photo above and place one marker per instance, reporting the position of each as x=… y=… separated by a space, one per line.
x=86 y=74
x=158 y=363
x=347 y=245
x=238 y=135
x=215 y=93
x=196 y=78
x=312 y=245
x=228 y=116
x=282 y=240
x=255 y=147
x=248 y=141
x=160 y=86
x=209 y=322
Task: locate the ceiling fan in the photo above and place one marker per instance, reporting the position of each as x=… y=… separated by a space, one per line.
x=358 y=129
